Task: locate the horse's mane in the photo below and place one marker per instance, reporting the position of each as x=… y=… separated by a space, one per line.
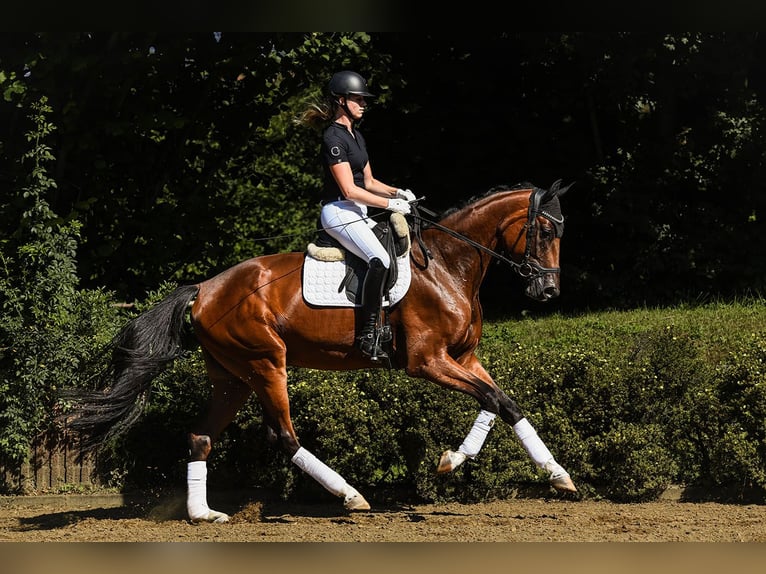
x=480 y=196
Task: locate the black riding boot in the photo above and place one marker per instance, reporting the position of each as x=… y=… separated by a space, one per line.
x=372 y=300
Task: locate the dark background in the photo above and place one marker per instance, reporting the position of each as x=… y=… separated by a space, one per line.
x=176 y=153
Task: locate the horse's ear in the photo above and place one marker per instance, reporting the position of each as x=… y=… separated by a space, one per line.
x=553 y=191
x=561 y=190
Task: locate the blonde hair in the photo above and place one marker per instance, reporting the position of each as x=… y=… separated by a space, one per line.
x=317 y=114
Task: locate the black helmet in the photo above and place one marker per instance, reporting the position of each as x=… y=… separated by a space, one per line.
x=347 y=82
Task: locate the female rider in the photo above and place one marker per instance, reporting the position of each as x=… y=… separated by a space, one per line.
x=350 y=189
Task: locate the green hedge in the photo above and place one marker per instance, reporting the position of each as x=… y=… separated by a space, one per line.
x=629 y=402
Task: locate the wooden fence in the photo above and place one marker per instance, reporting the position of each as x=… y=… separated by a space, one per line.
x=48 y=470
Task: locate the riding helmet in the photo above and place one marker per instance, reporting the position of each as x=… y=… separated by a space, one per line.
x=347 y=82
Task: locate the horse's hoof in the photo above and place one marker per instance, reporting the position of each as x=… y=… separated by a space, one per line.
x=355 y=501
x=449 y=461
x=212 y=516
x=561 y=481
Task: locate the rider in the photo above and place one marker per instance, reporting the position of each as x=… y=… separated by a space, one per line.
x=350 y=189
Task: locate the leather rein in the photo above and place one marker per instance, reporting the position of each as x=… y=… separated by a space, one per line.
x=528 y=268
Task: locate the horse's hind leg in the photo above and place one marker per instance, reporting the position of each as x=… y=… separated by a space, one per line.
x=276 y=405
x=226 y=399
x=330 y=480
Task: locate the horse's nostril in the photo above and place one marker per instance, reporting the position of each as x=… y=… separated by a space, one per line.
x=551 y=292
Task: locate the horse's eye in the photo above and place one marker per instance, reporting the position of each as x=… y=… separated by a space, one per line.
x=546 y=232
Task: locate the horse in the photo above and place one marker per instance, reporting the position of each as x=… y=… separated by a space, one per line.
x=252 y=322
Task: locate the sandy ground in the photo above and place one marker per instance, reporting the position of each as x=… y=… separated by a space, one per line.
x=88 y=519
x=86 y=534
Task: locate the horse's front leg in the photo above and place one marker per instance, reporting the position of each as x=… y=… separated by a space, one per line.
x=470 y=446
x=532 y=443
x=474 y=380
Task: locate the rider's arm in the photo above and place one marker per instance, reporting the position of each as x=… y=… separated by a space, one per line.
x=376 y=186
x=345 y=179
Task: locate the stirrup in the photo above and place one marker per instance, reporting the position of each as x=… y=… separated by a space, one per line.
x=384 y=334
x=370 y=348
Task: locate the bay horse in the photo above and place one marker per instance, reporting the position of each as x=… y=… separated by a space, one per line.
x=252 y=322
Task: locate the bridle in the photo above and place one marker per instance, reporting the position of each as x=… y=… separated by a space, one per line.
x=528 y=268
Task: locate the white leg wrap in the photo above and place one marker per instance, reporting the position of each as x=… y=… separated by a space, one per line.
x=319 y=471
x=477 y=435
x=535 y=447
x=196 y=494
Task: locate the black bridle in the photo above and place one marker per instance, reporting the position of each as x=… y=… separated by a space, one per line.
x=528 y=268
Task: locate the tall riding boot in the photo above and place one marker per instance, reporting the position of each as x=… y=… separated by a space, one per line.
x=372 y=301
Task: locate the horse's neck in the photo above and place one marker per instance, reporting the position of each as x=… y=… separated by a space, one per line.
x=458 y=257
x=479 y=223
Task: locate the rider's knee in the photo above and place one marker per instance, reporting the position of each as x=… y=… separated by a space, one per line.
x=377 y=263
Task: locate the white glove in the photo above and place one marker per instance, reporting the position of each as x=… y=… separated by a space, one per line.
x=399 y=206
x=405 y=194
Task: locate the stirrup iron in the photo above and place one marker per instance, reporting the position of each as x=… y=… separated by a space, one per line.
x=370 y=347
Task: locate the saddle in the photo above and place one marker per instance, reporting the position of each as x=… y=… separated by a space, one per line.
x=394 y=235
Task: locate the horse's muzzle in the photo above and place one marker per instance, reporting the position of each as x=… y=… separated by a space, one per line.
x=543 y=287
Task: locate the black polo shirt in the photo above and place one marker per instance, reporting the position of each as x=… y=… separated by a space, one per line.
x=338 y=145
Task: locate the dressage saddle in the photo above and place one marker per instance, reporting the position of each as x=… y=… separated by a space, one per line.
x=393 y=234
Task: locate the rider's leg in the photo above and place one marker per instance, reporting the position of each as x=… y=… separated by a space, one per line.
x=346 y=222
x=372 y=292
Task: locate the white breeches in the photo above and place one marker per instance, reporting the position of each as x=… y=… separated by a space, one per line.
x=347 y=222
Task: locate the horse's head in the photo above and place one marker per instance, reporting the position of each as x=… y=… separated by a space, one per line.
x=537 y=245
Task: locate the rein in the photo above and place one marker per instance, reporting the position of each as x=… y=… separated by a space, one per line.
x=528 y=269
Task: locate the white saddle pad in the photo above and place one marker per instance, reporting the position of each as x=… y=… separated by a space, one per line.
x=321 y=280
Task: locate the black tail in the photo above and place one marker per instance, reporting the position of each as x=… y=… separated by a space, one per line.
x=143 y=349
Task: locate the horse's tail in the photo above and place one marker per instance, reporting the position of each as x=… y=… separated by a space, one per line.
x=146 y=346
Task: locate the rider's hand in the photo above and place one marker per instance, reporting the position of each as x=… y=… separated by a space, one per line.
x=399 y=206
x=405 y=194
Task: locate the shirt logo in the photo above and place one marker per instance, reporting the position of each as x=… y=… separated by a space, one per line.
x=335 y=151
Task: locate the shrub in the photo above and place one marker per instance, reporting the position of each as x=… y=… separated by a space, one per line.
x=632 y=462
x=48 y=328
